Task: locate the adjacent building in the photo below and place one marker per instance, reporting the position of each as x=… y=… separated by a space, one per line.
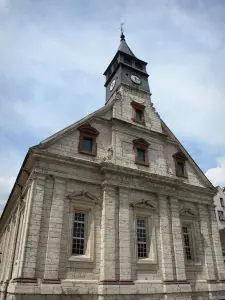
x=219 y=200
x=112 y=207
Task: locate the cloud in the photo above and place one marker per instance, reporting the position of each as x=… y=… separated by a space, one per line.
x=217 y=174
x=53 y=56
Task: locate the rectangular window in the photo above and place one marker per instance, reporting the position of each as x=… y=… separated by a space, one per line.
x=138 y=115
x=222 y=202
x=142 y=238
x=87 y=144
x=221 y=215
x=187 y=242
x=140 y=154
x=78 y=246
x=180 y=168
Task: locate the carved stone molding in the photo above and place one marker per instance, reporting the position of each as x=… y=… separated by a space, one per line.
x=84 y=196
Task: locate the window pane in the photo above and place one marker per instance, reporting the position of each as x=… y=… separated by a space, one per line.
x=187 y=241
x=87 y=144
x=138 y=115
x=141 y=238
x=140 y=154
x=78 y=234
x=180 y=168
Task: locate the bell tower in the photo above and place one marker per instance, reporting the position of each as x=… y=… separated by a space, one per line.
x=125 y=69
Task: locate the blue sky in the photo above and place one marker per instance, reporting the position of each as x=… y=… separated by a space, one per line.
x=53 y=54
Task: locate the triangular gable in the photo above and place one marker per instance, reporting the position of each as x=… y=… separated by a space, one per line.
x=196 y=168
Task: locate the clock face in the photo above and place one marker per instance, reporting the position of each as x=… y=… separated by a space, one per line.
x=135 y=79
x=112 y=85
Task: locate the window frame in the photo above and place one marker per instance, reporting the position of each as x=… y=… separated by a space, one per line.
x=147 y=236
x=85 y=231
x=87 y=203
x=88 y=132
x=221 y=215
x=143 y=211
x=143 y=145
x=180 y=158
x=189 y=225
x=221 y=201
x=138 y=106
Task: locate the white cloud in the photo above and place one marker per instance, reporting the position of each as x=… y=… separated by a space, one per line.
x=217 y=175
x=52 y=63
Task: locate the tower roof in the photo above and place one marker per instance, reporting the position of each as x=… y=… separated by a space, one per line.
x=123 y=47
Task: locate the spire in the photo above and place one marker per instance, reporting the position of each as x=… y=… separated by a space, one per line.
x=123 y=47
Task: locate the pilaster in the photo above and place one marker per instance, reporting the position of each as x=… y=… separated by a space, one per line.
x=108 y=234
x=51 y=273
x=6 y=252
x=124 y=236
x=12 y=249
x=177 y=240
x=207 y=245
x=216 y=244
x=32 y=229
x=165 y=238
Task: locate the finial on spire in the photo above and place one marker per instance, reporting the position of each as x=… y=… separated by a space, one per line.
x=122 y=36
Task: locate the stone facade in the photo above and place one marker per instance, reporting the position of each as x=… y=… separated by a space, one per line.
x=56 y=180
x=219 y=200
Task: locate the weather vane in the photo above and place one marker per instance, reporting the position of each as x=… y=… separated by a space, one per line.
x=122 y=36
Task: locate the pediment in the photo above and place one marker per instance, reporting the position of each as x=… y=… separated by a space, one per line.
x=143 y=203
x=84 y=196
x=187 y=212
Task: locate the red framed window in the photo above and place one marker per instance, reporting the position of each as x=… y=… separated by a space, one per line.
x=140 y=147
x=180 y=164
x=138 y=113
x=87 y=141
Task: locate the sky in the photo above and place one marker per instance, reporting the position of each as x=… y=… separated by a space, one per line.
x=52 y=58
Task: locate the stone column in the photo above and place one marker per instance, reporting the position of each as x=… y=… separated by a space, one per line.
x=108 y=235
x=165 y=238
x=124 y=236
x=12 y=249
x=207 y=245
x=177 y=240
x=52 y=260
x=32 y=227
x=5 y=252
x=216 y=244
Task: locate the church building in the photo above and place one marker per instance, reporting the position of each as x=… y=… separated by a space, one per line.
x=112 y=207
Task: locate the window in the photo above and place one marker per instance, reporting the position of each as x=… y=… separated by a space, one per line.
x=78 y=247
x=138 y=66
x=138 y=112
x=180 y=164
x=221 y=215
x=142 y=238
x=140 y=147
x=87 y=142
x=127 y=60
x=222 y=202
x=187 y=242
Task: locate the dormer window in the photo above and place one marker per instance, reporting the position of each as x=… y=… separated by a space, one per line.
x=180 y=164
x=140 y=147
x=87 y=141
x=138 y=112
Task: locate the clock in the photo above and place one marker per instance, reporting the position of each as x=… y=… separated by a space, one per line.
x=135 y=79
x=112 y=85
